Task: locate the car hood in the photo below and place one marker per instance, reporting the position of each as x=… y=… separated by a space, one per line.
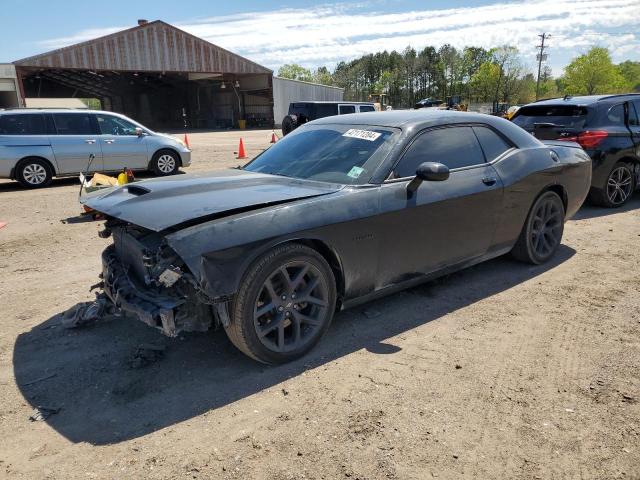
x=160 y=203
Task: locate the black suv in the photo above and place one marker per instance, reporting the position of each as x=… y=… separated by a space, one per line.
x=303 y=112
x=606 y=126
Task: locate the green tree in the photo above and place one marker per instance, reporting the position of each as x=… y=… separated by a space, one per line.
x=323 y=76
x=631 y=73
x=294 y=71
x=593 y=73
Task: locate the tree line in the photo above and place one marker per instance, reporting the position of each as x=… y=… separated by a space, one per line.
x=497 y=75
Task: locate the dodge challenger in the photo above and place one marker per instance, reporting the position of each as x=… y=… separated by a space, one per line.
x=342 y=210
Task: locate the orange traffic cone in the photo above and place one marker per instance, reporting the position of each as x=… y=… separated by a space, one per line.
x=186 y=141
x=273 y=137
x=241 y=152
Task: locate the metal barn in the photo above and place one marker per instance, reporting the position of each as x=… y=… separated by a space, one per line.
x=157 y=74
x=286 y=91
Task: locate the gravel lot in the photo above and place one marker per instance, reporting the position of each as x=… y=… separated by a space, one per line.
x=500 y=371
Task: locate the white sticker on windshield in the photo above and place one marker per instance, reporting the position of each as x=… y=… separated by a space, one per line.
x=362 y=134
x=355 y=172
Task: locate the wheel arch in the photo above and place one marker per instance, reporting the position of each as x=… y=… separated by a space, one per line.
x=31 y=157
x=559 y=190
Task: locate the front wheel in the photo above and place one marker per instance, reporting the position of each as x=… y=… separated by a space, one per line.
x=165 y=162
x=542 y=231
x=284 y=306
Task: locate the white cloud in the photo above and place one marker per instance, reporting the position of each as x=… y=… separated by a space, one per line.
x=327 y=34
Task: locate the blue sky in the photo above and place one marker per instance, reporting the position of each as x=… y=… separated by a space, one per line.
x=323 y=33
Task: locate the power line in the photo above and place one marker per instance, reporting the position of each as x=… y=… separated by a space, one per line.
x=541 y=57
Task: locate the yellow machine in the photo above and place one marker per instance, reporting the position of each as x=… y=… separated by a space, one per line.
x=380 y=101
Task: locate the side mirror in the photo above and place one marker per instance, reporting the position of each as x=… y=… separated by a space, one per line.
x=429 y=171
x=139 y=132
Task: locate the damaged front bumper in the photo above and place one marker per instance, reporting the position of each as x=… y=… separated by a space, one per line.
x=154 y=309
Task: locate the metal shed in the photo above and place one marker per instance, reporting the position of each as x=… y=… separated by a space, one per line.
x=286 y=91
x=157 y=74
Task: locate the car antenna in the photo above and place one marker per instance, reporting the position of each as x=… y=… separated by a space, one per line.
x=567 y=97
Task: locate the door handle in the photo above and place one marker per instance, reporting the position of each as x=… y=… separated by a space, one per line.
x=90 y=141
x=489 y=181
x=109 y=141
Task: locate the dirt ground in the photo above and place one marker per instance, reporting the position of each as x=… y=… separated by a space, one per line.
x=500 y=371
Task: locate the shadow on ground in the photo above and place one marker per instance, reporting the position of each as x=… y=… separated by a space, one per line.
x=88 y=375
x=591 y=211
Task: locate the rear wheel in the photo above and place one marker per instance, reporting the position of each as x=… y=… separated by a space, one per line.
x=289 y=124
x=34 y=173
x=165 y=162
x=542 y=232
x=284 y=306
x=618 y=189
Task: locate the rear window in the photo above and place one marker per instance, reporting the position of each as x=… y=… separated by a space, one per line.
x=616 y=114
x=571 y=116
x=367 y=108
x=344 y=109
x=22 y=124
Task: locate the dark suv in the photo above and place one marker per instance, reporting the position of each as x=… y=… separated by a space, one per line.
x=606 y=126
x=303 y=112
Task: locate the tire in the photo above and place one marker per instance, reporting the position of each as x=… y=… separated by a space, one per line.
x=271 y=327
x=618 y=188
x=34 y=173
x=542 y=231
x=289 y=124
x=165 y=162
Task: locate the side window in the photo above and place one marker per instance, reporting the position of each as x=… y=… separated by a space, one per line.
x=326 y=110
x=616 y=114
x=493 y=145
x=110 y=125
x=347 y=109
x=455 y=147
x=367 y=108
x=22 y=124
x=73 y=123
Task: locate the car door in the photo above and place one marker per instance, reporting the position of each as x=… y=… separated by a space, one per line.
x=441 y=223
x=75 y=139
x=121 y=146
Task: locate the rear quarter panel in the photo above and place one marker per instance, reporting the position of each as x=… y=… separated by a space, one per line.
x=530 y=171
x=14 y=148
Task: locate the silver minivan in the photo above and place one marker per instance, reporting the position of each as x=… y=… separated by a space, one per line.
x=39 y=144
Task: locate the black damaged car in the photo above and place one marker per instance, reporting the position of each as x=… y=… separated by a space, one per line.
x=342 y=210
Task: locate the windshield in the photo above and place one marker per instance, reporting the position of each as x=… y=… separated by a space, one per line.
x=570 y=116
x=346 y=154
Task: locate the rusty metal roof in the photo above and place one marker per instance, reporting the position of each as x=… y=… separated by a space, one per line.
x=154 y=46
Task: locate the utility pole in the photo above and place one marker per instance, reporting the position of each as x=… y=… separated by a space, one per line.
x=541 y=56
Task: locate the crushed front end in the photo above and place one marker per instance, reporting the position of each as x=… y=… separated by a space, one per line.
x=143 y=277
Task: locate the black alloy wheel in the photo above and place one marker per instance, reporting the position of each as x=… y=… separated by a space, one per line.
x=542 y=232
x=285 y=304
x=291 y=306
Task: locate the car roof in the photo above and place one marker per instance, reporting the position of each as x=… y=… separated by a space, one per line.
x=55 y=110
x=416 y=120
x=341 y=102
x=408 y=118
x=583 y=100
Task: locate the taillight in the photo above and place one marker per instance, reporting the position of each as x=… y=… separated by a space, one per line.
x=588 y=139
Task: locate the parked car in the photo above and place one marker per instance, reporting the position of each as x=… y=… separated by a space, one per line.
x=607 y=127
x=39 y=144
x=342 y=210
x=303 y=112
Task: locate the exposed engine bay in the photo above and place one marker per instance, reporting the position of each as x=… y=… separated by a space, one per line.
x=142 y=276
